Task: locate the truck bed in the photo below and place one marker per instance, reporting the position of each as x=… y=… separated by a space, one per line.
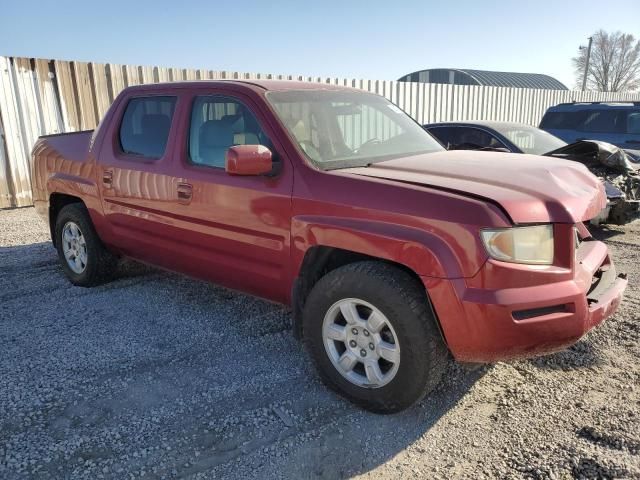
x=59 y=156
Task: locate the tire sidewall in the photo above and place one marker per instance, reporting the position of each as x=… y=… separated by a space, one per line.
x=78 y=214
x=411 y=328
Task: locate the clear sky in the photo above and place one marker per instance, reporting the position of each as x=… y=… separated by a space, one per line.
x=362 y=39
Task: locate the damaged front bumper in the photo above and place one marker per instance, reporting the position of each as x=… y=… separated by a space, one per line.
x=512 y=311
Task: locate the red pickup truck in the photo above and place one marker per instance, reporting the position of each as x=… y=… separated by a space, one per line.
x=393 y=253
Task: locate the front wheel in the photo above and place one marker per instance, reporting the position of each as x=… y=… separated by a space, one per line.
x=373 y=336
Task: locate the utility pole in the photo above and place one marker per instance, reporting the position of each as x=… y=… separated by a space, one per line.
x=586 y=65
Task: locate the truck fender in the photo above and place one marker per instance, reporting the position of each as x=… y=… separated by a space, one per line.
x=85 y=190
x=422 y=252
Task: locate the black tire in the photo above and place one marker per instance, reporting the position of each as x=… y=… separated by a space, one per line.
x=403 y=300
x=101 y=265
x=622 y=213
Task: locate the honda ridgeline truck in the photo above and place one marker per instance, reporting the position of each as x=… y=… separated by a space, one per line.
x=393 y=253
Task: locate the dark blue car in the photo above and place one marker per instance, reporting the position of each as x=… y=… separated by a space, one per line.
x=617 y=123
x=507 y=136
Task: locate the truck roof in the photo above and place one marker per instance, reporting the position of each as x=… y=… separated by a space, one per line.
x=579 y=106
x=254 y=84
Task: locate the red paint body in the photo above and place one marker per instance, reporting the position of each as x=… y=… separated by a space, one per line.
x=251 y=233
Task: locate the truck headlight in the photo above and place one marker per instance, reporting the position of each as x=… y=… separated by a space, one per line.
x=533 y=245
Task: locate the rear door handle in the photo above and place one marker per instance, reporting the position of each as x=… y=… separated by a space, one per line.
x=185 y=192
x=107 y=178
x=632 y=141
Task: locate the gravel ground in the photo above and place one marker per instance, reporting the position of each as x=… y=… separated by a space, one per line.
x=159 y=376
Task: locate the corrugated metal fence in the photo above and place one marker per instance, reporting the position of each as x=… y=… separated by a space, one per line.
x=39 y=97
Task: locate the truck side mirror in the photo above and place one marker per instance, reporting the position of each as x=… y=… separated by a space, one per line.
x=248 y=160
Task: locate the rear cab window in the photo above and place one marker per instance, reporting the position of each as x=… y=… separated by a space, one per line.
x=145 y=126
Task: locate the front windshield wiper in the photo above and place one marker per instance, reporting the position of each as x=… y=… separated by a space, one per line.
x=366 y=162
x=339 y=164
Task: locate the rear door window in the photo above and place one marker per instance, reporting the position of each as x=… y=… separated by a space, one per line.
x=471 y=138
x=445 y=135
x=465 y=138
x=145 y=126
x=603 y=121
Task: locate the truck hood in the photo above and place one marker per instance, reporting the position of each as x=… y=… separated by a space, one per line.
x=529 y=188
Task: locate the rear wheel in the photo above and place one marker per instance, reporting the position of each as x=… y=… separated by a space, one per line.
x=373 y=336
x=84 y=259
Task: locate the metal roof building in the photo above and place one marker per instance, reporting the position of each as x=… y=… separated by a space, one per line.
x=459 y=76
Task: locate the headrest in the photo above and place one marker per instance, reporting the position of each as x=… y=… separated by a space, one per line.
x=155 y=124
x=215 y=133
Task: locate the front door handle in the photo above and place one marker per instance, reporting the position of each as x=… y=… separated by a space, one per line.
x=107 y=178
x=185 y=192
x=632 y=141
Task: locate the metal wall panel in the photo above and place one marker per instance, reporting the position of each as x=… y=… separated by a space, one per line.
x=101 y=87
x=6 y=197
x=15 y=139
x=67 y=92
x=85 y=94
x=45 y=78
x=116 y=79
x=39 y=97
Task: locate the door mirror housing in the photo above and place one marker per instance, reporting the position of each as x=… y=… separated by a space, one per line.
x=248 y=160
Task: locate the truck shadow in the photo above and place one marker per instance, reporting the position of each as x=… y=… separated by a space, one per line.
x=606 y=231
x=583 y=354
x=215 y=375
x=366 y=441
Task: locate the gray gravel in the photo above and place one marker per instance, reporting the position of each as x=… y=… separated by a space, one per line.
x=159 y=376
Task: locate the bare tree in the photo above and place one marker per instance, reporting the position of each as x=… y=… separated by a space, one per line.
x=614 y=65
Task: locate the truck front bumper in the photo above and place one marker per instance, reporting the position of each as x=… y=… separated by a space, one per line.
x=516 y=321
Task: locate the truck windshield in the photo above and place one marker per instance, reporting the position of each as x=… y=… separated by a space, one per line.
x=341 y=129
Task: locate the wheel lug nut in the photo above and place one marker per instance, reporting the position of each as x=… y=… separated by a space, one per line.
x=353 y=343
x=371 y=346
x=354 y=331
x=366 y=333
x=363 y=353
